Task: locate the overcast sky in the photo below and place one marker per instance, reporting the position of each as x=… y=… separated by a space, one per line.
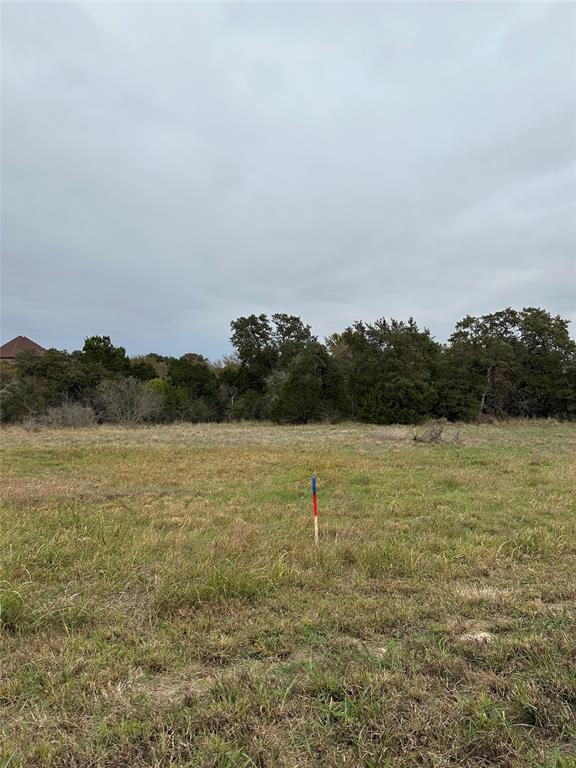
x=169 y=167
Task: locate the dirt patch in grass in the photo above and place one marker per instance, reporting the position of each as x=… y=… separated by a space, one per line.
x=167 y=691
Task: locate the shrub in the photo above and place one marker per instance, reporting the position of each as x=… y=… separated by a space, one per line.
x=128 y=401
x=69 y=415
x=248 y=406
x=431 y=435
x=435 y=434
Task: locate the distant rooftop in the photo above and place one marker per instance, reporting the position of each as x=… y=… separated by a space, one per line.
x=9 y=350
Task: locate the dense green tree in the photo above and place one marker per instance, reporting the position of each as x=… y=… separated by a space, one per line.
x=547 y=359
x=57 y=376
x=50 y=375
x=19 y=398
x=193 y=374
x=143 y=370
x=390 y=368
x=508 y=363
x=99 y=349
x=176 y=400
x=265 y=345
x=460 y=388
x=249 y=405
x=310 y=389
x=290 y=338
x=514 y=363
x=252 y=338
x=485 y=351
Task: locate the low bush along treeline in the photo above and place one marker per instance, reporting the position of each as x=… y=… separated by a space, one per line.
x=510 y=363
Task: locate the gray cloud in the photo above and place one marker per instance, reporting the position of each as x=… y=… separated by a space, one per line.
x=167 y=167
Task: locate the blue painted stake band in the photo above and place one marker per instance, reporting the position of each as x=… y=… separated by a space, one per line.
x=314 y=484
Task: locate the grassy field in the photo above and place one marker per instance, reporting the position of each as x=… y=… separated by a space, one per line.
x=163 y=603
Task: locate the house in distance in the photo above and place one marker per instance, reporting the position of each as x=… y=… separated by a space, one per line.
x=9 y=350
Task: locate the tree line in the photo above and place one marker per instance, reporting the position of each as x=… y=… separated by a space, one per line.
x=506 y=364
